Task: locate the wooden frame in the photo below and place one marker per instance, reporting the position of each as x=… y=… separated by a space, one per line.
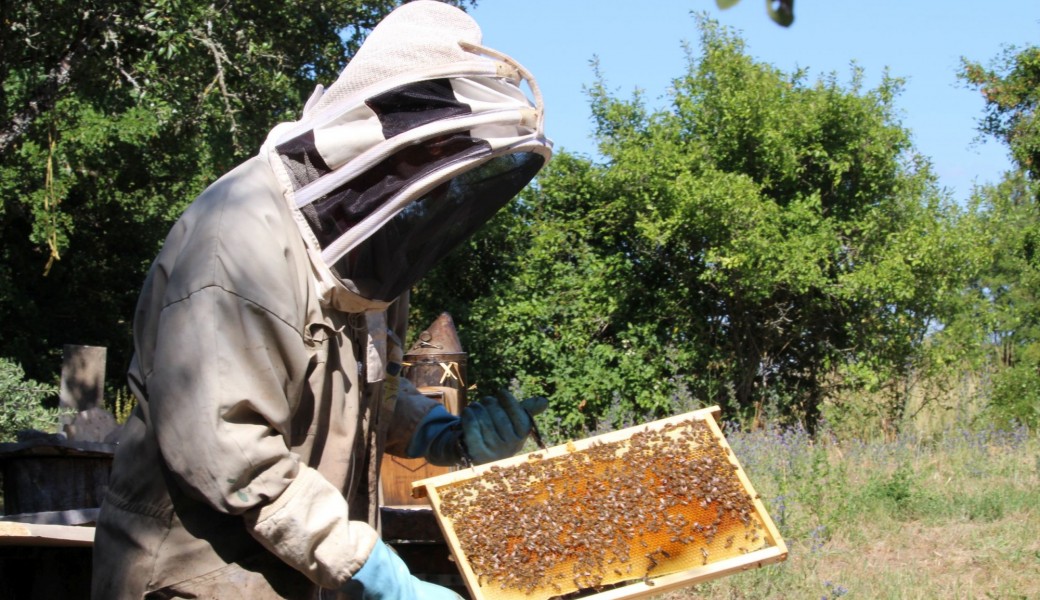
x=771 y=547
x=13 y=533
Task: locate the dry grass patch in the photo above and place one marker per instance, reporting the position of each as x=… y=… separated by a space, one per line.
x=953 y=516
x=967 y=560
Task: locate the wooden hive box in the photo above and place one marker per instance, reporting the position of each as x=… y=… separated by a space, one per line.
x=45 y=477
x=628 y=514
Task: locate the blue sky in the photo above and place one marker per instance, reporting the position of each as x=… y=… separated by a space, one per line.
x=921 y=41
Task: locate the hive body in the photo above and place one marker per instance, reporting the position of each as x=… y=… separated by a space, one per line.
x=621 y=515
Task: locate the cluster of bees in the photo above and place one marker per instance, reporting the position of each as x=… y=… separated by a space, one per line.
x=660 y=501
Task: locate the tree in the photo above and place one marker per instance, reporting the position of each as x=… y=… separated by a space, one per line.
x=113 y=116
x=761 y=240
x=1011 y=89
x=1008 y=290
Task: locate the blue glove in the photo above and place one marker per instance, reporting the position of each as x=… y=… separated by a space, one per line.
x=384 y=576
x=489 y=430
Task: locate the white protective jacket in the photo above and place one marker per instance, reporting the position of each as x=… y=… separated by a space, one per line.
x=249 y=468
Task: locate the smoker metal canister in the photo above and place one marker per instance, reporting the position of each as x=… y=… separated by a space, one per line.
x=436 y=359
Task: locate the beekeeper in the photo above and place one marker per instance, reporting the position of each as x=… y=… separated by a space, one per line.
x=266 y=335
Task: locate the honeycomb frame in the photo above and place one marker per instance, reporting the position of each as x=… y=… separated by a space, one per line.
x=627 y=514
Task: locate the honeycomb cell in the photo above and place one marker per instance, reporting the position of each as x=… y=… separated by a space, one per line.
x=625 y=508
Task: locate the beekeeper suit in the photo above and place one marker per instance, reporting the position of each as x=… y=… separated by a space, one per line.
x=265 y=334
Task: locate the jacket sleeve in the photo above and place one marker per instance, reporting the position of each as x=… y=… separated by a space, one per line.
x=220 y=396
x=307 y=527
x=410 y=408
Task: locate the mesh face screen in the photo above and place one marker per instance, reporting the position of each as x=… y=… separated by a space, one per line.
x=659 y=502
x=414 y=104
x=341 y=209
x=398 y=254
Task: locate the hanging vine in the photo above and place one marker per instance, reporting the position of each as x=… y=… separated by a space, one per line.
x=50 y=207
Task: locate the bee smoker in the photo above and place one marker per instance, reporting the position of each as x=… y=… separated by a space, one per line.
x=436 y=364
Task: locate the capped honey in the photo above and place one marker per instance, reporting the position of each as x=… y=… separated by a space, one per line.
x=629 y=513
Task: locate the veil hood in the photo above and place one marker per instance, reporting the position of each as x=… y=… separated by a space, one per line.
x=422 y=138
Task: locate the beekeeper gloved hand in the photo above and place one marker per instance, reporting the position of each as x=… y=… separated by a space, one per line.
x=490 y=429
x=496 y=427
x=384 y=576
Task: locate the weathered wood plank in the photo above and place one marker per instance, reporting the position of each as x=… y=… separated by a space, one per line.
x=31 y=534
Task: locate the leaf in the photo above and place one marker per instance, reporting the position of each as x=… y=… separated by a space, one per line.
x=781 y=11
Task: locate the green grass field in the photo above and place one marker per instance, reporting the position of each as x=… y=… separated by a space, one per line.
x=951 y=515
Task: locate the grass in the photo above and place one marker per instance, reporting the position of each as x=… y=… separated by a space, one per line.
x=955 y=515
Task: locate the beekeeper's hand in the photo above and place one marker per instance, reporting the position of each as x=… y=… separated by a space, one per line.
x=490 y=429
x=384 y=576
x=496 y=427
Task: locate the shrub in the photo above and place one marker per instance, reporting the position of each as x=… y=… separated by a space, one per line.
x=21 y=402
x=1016 y=395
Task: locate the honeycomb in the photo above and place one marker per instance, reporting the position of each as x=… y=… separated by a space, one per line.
x=625 y=508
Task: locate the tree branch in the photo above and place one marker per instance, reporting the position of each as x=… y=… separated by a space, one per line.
x=219 y=58
x=46 y=95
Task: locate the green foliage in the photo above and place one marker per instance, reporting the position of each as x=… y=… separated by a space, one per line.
x=113 y=116
x=764 y=235
x=1008 y=288
x=891 y=493
x=21 y=402
x=123 y=404
x=1016 y=396
x=1011 y=88
x=1006 y=294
